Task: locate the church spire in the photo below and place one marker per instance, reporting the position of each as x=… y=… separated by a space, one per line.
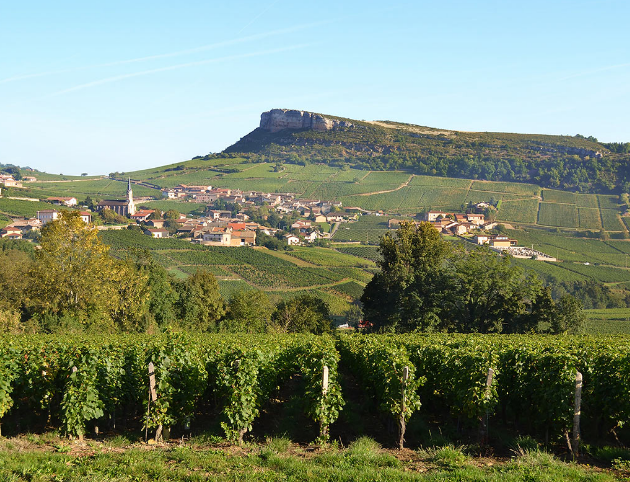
x=131 y=207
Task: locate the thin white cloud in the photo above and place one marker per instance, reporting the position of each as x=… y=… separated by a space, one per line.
x=225 y=43
x=593 y=71
x=117 y=78
x=262 y=12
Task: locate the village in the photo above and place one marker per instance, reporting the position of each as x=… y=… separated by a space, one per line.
x=216 y=227
x=233 y=227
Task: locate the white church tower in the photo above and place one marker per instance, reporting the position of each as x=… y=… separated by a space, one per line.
x=131 y=207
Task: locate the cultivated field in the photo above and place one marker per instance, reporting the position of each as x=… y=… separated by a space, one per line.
x=329 y=274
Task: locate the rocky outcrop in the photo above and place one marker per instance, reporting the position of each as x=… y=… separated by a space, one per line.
x=277 y=119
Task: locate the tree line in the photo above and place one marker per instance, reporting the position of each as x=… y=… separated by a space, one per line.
x=71 y=283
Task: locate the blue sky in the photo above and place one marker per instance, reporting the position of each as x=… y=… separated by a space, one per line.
x=114 y=86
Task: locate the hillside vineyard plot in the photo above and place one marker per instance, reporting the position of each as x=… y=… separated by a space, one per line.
x=589 y=218
x=608 y=202
x=326 y=257
x=367 y=229
x=611 y=220
x=521 y=189
x=561 y=215
x=525 y=211
x=74 y=383
x=100 y=187
x=570 y=248
x=563 y=197
x=587 y=200
x=16 y=207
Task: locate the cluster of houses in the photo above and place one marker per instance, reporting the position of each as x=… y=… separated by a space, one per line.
x=7 y=180
x=465 y=224
x=218 y=228
x=451 y=223
x=281 y=202
x=457 y=223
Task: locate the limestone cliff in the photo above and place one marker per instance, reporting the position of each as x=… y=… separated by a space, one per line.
x=277 y=119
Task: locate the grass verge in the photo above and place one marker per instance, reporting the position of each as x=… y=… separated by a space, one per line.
x=50 y=458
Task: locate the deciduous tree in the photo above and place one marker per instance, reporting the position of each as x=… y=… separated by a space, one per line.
x=73 y=268
x=409 y=292
x=248 y=312
x=302 y=314
x=201 y=305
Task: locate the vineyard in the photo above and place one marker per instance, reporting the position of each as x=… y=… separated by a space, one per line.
x=522 y=189
x=367 y=229
x=16 y=207
x=586 y=201
x=608 y=201
x=562 y=215
x=367 y=252
x=611 y=220
x=104 y=187
x=188 y=383
x=79 y=382
x=589 y=218
x=327 y=257
x=609 y=321
x=523 y=211
x=554 y=196
x=281 y=275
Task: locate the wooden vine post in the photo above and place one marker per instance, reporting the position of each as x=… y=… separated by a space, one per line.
x=323 y=427
x=483 y=426
x=243 y=430
x=403 y=409
x=152 y=397
x=74 y=370
x=575 y=443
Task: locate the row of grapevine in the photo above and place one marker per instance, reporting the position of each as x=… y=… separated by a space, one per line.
x=387 y=373
x=72 y=382
x=529 y=379
x=534 y=377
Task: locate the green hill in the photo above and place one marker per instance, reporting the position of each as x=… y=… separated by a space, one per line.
x=566 y=162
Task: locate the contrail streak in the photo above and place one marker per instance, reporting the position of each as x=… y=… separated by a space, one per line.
x=203 y=48
x=594 y=71
x=257 y=16
x=116 y=78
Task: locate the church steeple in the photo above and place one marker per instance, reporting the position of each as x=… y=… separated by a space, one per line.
x=131 y=207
